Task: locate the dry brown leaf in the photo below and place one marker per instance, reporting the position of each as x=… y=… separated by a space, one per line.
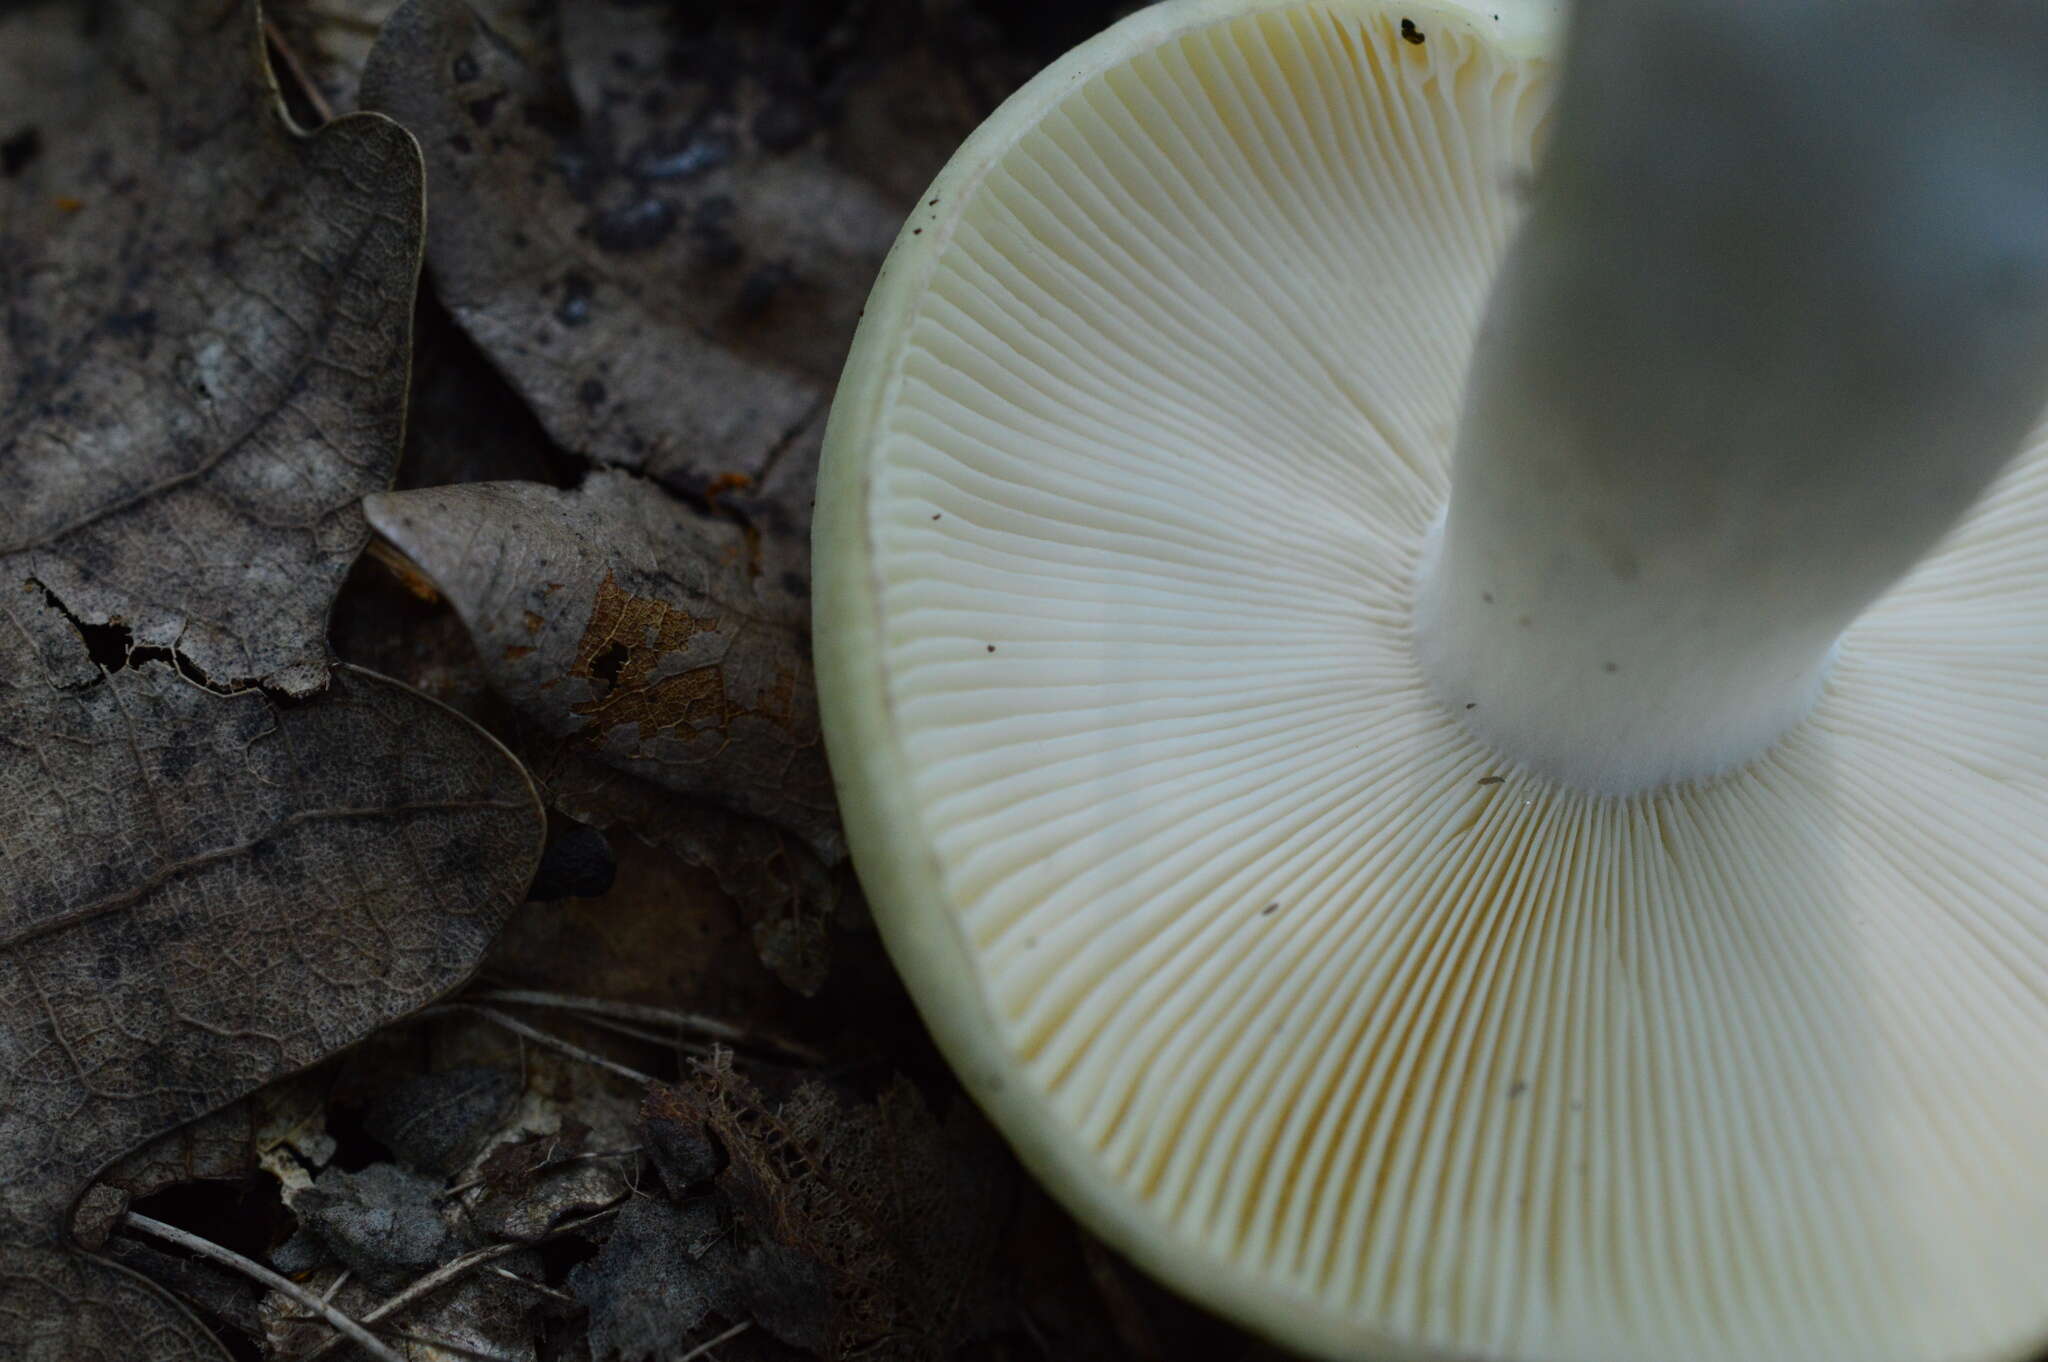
x=657 y=230
x=552 y=283
x=202 y=893
x=790 y=900
x=205 y=365
x=621 y=618
x=222 y=1145
x=664 y=936
x=672 y=647
x=881 y=1222
x=204 y=362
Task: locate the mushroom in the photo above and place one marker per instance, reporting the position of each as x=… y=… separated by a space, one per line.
x=1541 y=860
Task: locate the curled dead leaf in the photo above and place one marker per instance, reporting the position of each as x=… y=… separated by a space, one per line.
x=619 y=617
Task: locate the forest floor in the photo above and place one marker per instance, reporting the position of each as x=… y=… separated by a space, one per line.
x=520 y=975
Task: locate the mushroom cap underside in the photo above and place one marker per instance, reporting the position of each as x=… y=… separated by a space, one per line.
x=1280 y=979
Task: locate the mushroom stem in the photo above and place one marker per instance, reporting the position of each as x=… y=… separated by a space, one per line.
x=1778 y=315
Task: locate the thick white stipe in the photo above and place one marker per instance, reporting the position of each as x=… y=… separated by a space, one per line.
x=1772 y=325
x=1264 y=955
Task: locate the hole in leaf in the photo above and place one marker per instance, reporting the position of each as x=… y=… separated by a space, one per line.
x=606 y=665
x=18 y=150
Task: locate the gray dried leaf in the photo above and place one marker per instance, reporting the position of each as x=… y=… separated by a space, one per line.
x=434 y=1121
x=204 y=362
x=647 y=633
x=202 y=893
x=664 y=1269
x=383 y=1223
x=647 y=233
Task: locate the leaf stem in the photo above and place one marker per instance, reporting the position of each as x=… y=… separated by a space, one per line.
x=450 y=1270
x=206 y=1248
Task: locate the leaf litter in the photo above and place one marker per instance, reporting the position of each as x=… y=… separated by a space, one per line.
x=224 y=861
x=711 y=186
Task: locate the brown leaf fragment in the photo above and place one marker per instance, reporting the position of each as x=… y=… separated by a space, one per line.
x=658 y=649
x=867 y=1227
x=200 y=893
x=96 y=1214
x=221 y=1146
x=513 y=1167
x=218 y=1146
x=204 y=363
x=561 y=1189
x=790 y=900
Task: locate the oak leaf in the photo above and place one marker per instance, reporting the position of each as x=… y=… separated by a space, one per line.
x=202 y=893
x=204 y=361
x=220 y=861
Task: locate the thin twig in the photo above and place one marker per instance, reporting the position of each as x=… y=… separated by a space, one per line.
x=311 y=91
x=667 y=1040
x=531 y=1285
x=607 y=1007
x=643 y=1012
x=548 y=1167
x=453 y=1268
x=540 y=1037
x=206 y=1248
x=728 y=1336
x=354 y=23
x=448 y=1345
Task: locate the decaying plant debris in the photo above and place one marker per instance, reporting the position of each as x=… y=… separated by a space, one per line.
x=681 y=1109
